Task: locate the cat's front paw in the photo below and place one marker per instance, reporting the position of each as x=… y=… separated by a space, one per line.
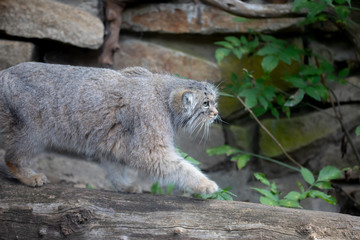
x=207 y=186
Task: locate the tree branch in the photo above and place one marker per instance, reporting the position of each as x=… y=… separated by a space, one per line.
x=62 y=212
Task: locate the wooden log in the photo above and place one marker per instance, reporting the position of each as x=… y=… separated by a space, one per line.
x=58 y=212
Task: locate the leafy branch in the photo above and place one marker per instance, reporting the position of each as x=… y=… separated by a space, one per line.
x=293 y=198
x=268 y=132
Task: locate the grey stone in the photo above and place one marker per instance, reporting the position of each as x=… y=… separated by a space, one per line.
x=46 y=19
x=333 y=51
x=164 y=60
x=298 y=132
x=348 y=92
x=15 y=52
x=90 y=6
x=195 y=18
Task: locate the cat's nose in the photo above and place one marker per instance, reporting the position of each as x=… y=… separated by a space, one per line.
x=214 y=112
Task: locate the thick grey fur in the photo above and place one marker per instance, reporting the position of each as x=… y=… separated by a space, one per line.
x=126 y=118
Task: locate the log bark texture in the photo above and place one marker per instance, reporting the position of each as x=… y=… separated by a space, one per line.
x=58 y=212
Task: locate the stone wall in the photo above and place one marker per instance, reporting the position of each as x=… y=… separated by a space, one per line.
x=178 y=37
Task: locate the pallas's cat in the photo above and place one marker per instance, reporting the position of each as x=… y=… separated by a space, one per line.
x=125 y=118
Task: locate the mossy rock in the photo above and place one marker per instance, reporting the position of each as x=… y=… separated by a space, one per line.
x=295 y=133
x=242 y=136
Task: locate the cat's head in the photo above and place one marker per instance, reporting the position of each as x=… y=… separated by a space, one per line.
x=194 y=106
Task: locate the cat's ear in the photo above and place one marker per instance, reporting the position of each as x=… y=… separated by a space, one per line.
x=188 y=100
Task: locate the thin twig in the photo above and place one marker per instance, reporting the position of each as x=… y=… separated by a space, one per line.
x=347 y=134
x=337 y=112
x=267 y=131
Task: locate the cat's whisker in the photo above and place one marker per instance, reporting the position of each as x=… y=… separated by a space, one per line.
x=218 y=119
x=206 y=132
x=199 y=128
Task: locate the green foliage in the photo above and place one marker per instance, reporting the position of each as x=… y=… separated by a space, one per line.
x=188 y=158
x=320 y=10
x=357 y=131
x=259 y=94
x=271 y=195
x=222 y=194
x=157 y=189
x=237 y=46
x=234 y=153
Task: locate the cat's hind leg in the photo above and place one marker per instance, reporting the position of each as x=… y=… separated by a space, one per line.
x=122 y=177
x=18 y=165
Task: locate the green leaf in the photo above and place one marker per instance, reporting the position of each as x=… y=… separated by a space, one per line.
x=222 y=194
x=248 y=92
x=268 y=201
x=301 y=187
x=251 y=101
x=296 y=81
x=289 y=203
x=238 y=53
x=313 y=92
x=258 y=111
x=295 y=99
x=273 y=188
x=169 y=188
x=233 y=40
x=344 y=73
x=225 y=44
x=221 y=53
x=357 y=131
x=225 y=149
x=280 y=99
x=263 y=102
x=343 y=12
x=298 y=5
x=187 y=157
x=315 y=8
x=329 y=173
x=275 y=113
x=156 y=188
x=293 y=52
x=293 y=195
x=261 y=177
x=244 y=40
x=285 y=58
x=254 y=43
x=241 y=160
x=241 y=19
x=307 y=175
x=267 y=50
x=273 y=40
x=269 y=63
x=308 y=70
x=269 y=93
x=286 y=110
x=323 y=185
x=323 y=196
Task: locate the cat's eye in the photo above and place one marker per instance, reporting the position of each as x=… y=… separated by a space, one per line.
x=206 y=104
